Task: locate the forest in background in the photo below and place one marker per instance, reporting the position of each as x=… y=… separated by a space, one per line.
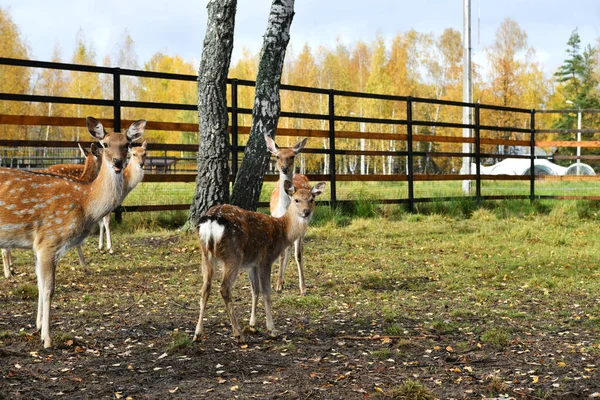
x=413 y=64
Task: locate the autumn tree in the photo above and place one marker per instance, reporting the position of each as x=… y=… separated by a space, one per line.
x=577 y=82
x=14 y=79
x=85 y=84
x=509 y=57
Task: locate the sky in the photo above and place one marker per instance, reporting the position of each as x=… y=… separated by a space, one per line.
x=177 y=27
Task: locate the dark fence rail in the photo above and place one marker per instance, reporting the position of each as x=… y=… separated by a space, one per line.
x=332 y=135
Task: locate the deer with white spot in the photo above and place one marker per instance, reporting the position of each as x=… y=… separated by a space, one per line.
x=133 y=175
x=51 y=214
x=280 y=201
x=86 y=172
x=240 y=239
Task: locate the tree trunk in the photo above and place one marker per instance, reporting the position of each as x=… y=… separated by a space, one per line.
x=212 y=182
x=267 y=106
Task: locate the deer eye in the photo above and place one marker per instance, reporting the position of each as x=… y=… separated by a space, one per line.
x=297 y=201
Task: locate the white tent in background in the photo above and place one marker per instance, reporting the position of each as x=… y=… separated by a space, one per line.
x=521 y=166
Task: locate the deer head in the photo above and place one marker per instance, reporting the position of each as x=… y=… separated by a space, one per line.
x=115 y=145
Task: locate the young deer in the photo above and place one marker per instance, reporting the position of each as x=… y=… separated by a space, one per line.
x=238 y=239
x=52 y=214
x=86 y=172
x=280 y=202
x=133 y=175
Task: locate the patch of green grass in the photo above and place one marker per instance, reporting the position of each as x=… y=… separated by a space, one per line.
x=27 y=291
x=61 y=338
x=409 y=390
x=309 y=301
x=6 y=335
x=497 y=338
x=180 y=341
x=383 y=353
x=394 y=330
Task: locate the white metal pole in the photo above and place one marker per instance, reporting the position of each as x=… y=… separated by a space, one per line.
x=467 y=92
x=578 y=141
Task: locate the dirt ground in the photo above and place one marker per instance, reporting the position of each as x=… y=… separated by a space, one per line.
x=124 y=331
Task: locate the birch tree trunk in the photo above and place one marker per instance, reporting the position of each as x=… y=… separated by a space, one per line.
x=267 y=106
x=212 y=182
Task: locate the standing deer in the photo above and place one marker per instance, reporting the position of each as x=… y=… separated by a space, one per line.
x=280 y=201
x=133 y=175
x=86 y=172
x=52 y=214
x=238 y=239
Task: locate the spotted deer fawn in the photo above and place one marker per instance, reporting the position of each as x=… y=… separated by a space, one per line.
x=133 y=175
x=52 y=214
x=86 y=172
x=241 y=239
x=280 y=201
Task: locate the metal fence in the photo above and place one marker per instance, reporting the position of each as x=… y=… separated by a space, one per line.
x=404 y=176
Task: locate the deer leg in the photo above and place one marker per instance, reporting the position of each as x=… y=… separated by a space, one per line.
x=108 y=239
x=208 y=269
x=46 y=270
x=230 y=274
x=284 y=258
x=299 y=250
x=101 y=235
x=82 y=259
x=254 y=286
x=7 y=262
x=264 y=277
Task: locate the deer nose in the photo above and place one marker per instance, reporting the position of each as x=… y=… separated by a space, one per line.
x=306 y=212
x=118 y=163
x=285 y=170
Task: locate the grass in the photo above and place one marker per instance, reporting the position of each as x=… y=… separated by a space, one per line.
x=409 y=390
x=506 y=277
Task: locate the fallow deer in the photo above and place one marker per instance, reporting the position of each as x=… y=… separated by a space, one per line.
x=133 y=175
x=86 y=172
x=52 y=214
x=280 y=202
x=241 y=239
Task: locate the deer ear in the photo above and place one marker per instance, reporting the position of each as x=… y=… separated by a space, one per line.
x=318 y=189
x=271 y=146
x=83 y=152
x=144 y=145
x=136 y=130
x=298 y=147
x=95 y=128
x=289 y=188
x=95 y=149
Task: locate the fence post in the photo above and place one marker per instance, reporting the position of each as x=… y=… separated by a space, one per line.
x=117 y=121
x=234 y=128
x=532 y=155
x=409 y=149
x=477 y=153
x=332 y=172
x=117 y=99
